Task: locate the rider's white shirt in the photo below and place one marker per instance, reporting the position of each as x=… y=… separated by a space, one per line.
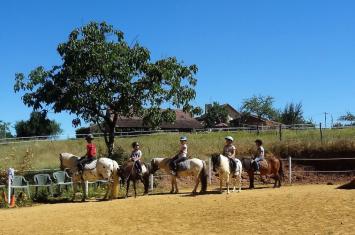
x=261 y=155
x=136 y=154
x=228 y=150
x=183 y=150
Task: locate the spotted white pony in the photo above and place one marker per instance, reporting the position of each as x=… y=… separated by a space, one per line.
x=193 y=167
x=101 y=169
x=221 y=165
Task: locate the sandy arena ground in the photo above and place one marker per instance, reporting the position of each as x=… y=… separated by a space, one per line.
x=311 y=209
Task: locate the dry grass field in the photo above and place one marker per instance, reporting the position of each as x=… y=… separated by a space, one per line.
x=337 y=143
x=310 y=209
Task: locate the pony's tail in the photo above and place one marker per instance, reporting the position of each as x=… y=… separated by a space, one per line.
x=281 y=170
x=116 y=183
x=203 y=177
x=61 y=161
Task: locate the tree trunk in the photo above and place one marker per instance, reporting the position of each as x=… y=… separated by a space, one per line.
x=110 y=143
x=110 y=135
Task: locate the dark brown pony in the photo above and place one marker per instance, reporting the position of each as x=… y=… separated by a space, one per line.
x=128 y=173
x=273 y=168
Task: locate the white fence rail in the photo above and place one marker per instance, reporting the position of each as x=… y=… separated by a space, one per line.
x=290 y=161
x=290 y=171
x=122 y=134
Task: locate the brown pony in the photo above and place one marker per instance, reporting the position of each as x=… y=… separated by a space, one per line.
x=128 y=173
x=271 y=166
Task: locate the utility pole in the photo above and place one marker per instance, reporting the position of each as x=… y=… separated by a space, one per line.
x=325 y=119
x=331 y=117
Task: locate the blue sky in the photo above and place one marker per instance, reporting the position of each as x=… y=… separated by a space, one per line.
x=300 y=50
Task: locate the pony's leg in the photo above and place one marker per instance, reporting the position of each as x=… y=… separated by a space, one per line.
x=277 y=179
x=146 y=184
x=128 y=181
x=251 y=179
x=234 y=180
x=228 y=183
x=75 y=190
x=134 y=187
x=220 y=182
x=108 y=189
x=84 y=191
x=197 y=180
x=172 y=184
x=176 y=186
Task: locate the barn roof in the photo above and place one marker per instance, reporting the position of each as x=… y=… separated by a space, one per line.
x=183 y=121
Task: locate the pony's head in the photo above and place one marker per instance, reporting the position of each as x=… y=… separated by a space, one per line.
x=61 y=162
x=155 y=164
x=68 y=160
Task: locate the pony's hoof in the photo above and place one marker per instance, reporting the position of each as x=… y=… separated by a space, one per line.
x=171 y=192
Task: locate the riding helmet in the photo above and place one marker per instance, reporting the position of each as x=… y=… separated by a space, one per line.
x=89 y=137
x=229 y=138
x=134 y=144
x=183 y=138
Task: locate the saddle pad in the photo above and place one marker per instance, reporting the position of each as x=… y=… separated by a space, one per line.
x=91 y=165
x=144 y=169
x=183 y=166
x=263 y=164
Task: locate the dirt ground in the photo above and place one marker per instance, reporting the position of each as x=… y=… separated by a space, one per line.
x=306 y=209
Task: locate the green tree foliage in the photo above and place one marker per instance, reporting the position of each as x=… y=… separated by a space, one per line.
x=5 y=130
x=102 y=77
x=292 y=114
x=37 y=125
x=261 y=106
x=348 y=117
x=82 y=132
x=215 y=114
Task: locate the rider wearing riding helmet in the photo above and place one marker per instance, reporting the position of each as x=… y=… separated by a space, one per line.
x=229 y=149
x=136 y=156
x=90 y=152
x=260 y=153
x=181 y=156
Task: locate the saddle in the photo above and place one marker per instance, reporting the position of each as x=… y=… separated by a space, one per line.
x=232 y=164
x=89 y=165
x=261 y=164
x=183 y=166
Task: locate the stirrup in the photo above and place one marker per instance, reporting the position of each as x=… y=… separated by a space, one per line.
x=173 y=173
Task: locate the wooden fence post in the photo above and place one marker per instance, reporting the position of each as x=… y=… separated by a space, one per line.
x=321 y=132
x=151 y=182
x=87 y=188
x=280 y=132
x=10 y=177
